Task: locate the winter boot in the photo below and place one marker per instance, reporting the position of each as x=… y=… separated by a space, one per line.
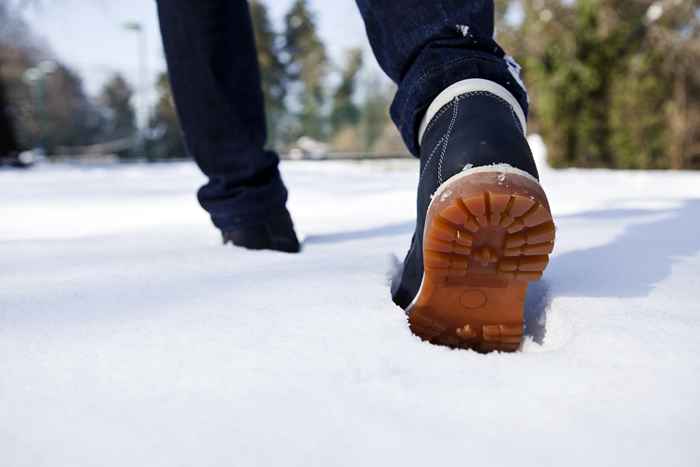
x=484 y=227
x=277 y=233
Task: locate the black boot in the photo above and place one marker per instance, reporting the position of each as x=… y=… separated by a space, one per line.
x=276 y=233
x=483 y=225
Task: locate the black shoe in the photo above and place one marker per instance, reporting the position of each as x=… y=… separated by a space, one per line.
x=276 y=233
x=483 y=228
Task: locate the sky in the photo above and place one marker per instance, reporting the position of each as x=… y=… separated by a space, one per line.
x=89 y=35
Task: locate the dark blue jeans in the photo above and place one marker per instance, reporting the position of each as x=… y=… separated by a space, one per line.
x=422 y=45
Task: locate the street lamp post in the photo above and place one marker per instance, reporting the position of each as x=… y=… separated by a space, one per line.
x=142 y=112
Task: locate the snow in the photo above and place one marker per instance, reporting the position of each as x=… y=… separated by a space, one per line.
x=130 y=336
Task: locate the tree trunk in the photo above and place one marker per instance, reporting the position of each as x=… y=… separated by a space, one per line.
x=8 y=139
x=678 y=122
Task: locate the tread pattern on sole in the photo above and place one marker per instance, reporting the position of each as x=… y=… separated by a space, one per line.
x=526 y=230
x=475 y=248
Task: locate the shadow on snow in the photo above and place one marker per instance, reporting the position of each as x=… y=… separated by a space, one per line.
x=628 y=266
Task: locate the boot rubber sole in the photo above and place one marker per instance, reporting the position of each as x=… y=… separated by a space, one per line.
x=488 y=233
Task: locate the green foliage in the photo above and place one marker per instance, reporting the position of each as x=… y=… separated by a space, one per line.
x=374 y=114
x=50 y=109
x=637 y=120
x=299 y=101
x=607 y=86
x=370 y=130
x=345 y=112
x=307 y=68
x=164 y=137
x=273 y=70
x=613 y=83
x=116 y=100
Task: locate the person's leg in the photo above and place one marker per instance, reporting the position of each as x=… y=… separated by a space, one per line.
x=426 y=45
x=483 y=227
x=213 y=68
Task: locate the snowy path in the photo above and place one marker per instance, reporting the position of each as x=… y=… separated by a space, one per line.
x=130 y=337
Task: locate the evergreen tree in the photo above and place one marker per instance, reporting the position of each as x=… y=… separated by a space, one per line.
x=116 y=99
x=51 y=110
x=675 y=39
x=375 y=111
x=272 y=69
x=345 y=111
x=165 y=138
x=60 y=115
x=307 y=66
x=610 y=80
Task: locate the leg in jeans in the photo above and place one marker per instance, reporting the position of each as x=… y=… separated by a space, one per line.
x=426 y=45
x=212 y=61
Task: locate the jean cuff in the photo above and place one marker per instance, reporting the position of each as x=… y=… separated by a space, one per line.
x=420 y=87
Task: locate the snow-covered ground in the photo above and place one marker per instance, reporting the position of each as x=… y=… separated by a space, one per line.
x=130 y=337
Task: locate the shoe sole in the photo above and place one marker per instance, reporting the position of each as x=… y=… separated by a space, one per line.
x=488 y=233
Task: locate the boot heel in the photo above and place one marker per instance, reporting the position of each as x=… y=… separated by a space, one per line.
x=488 y=233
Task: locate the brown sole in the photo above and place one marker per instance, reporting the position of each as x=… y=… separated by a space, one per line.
x=489 y=232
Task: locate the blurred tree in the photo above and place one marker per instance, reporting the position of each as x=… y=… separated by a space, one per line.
x=389 y=142
x=675 y=37
x=273 y=70
x=637 y=120
x=611 y=80
x=307 y=68
x=8 y=139
x=578 y=59
x=375 y=110
x=51 y=108
x=345 y=111
x=371 y=130
x=164 y=138
x=347 y=139
x=70 y=119
x=116 y=99
x=12 y=29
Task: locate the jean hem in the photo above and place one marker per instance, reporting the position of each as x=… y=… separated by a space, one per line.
x=412 y=101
